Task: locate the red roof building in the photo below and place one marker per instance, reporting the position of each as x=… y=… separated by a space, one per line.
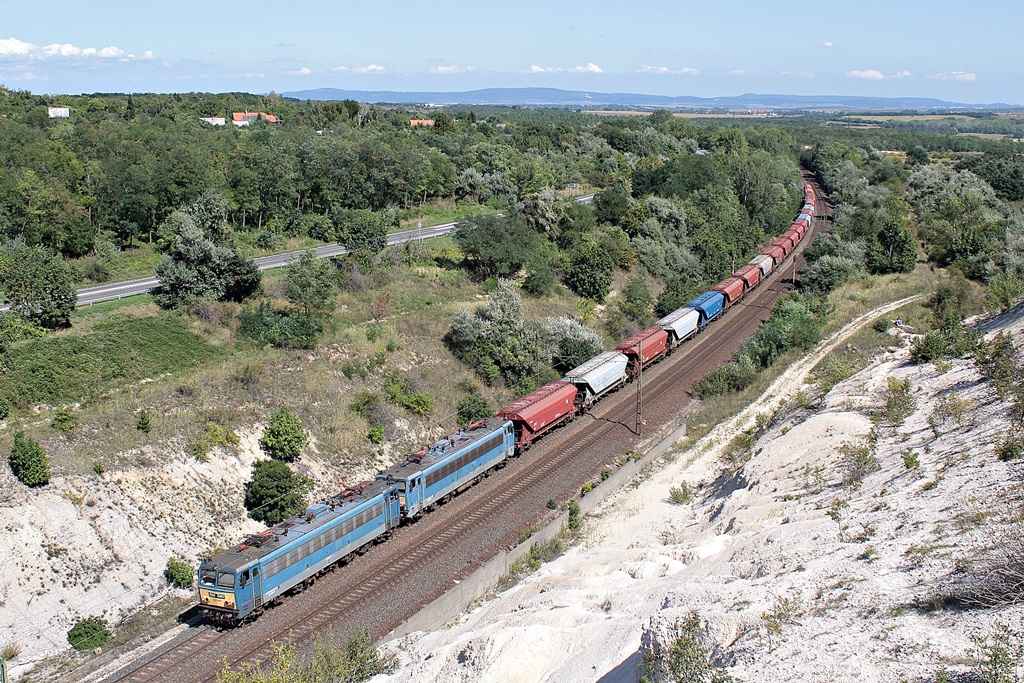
x=240 y=118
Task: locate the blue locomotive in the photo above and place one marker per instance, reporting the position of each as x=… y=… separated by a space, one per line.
x=236 y=584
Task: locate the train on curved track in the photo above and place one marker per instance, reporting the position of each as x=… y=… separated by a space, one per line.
x=236 y=585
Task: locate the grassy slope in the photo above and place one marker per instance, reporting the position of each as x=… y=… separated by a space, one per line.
x=125 y=357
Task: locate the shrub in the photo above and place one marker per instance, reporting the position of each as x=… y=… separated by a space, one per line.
x=64 y=420
x=275 y=492
x=364 y=403
x=857 y=463
x=733 y=376
x=89 y=633
x=910 y=459
x=605 y=474
x=899 y=402
x=144 y=423
x=5 y=409
x=575 y=517
x=264 y=326
x=930 y=348
x=399 y=391
x=179 y=572
x=681 y=495
x=881 y=325
x=376 y=433
x=998 y=654
x=213 y=435
x=833 y=371
x=1009 y=447
x=687 y=659
x=28 y=461
x=472 y=408
x=586 y=488
x=285 y=437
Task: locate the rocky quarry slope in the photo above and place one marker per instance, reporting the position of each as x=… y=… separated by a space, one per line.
x=831 y=555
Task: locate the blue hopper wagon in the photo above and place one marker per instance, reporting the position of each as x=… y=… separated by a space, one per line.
x=238 y=583
x=710 y=305
x=426 y=476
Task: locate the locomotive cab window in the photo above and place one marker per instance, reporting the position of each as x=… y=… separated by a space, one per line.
x=208 y=577
x=225 y=580
x=244 y=578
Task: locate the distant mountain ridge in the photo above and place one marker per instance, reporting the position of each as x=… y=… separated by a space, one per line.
x=554 y=97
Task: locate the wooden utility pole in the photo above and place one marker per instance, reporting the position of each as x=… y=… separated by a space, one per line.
x=639 y=386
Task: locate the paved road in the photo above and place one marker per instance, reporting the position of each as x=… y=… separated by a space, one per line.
x=116 y=290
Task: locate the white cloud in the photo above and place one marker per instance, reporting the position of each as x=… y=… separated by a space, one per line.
x=955 y=76
x=686 y=70
x=736 y=72
x=340 y=68
x=304 y=71
x=450 y=69
x=12 y=48
x=370 y=69
x=903 y=74
x=590 y=68
x=870 y=74
x=828 y=43
x=799 y=74
x=534 y=69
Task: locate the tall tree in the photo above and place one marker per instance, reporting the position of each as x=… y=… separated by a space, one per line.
x=309 y=283
x=37 y=284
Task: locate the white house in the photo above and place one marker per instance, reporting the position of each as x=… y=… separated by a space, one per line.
x=59 y=112
x=214 y=120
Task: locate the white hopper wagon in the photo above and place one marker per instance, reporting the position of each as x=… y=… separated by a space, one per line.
x=600 y=375
x=764 y=262
x=680 y=324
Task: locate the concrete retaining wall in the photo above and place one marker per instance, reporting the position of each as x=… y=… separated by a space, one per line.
x=459 y=597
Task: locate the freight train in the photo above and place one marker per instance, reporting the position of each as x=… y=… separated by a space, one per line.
x=237 y=584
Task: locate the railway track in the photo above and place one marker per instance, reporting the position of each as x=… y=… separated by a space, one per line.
x=374 y=579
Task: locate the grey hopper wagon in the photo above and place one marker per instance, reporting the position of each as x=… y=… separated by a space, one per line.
x=598 y=376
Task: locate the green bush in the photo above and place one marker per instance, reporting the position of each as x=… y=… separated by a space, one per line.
x=687 y=659
x=399 y=391
x=275 y=492
x=681 y=495
x=64 y=420
x=881 y=325
x=472 y=408
x=833 y=371
x=725 y=379
x=285 y=437
x=263 y=326
x=28 y=461
x=1009 y=447
x=88 y=634
x=899 y=402
x=575 y=517
x=179 y=572
x=5 y=409
x=586 y=488
x=857 y=462
x=144 y=422
x=376 y=433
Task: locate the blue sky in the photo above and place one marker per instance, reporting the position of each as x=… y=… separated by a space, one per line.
x=964 y=52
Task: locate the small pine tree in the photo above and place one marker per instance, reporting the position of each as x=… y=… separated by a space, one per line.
x=145 y=422
x=284 y=438
x=28 y=461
